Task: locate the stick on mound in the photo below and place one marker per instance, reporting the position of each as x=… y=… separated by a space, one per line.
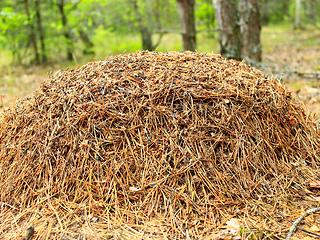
x=180 y=137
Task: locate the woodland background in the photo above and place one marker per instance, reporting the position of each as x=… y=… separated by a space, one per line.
x=38 y=37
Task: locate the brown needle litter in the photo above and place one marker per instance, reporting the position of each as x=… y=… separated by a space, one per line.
x=104 y=143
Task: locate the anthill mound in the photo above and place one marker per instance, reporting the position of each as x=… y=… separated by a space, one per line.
x=180 y=137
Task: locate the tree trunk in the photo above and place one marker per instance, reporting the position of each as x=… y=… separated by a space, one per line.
x=85 y=38
x=87 y=42
x=67 y=33
x=157 y=15
x=188 y=24
x=297 y=24
x=40 y=31
x=250 y=30
x=32 y=34
x=146 y=34
x=230 y=36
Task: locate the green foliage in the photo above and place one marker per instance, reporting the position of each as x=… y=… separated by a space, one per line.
x=155 y=14
x=112 y=25
x=253 y=234
x=108 y=42
x=13 y=31
x=12 y=22
x=275 y=12
x=10 y=19
x=204 y=13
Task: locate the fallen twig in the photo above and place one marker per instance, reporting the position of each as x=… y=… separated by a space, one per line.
x=300 y=228
x=294 y=226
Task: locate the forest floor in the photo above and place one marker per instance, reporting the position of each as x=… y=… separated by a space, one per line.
x=294 y=56
x=291 y=55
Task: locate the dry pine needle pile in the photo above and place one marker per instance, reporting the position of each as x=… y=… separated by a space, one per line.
x=184 y=138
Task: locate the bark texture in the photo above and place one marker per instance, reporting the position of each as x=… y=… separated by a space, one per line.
x=230 y=35
x=250 y=30
x=188 y=24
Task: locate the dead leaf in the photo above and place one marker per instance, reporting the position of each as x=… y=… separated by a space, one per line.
x=314 y=228
x=312 y=198
x=234 y=223
x=314 y=184
x=134 y=189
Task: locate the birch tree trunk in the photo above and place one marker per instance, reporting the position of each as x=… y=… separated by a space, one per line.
x=188 y=24
x=228 y=21
x=250 y=30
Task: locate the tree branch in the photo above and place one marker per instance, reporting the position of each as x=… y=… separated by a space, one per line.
x=295 y=224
